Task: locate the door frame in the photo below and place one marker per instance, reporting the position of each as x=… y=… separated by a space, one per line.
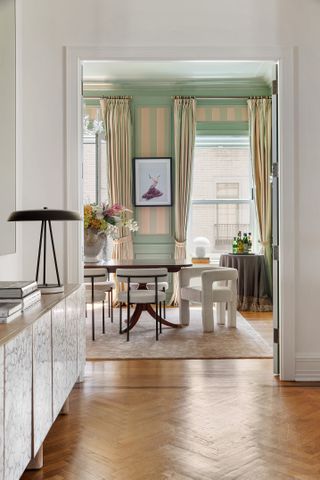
x=74 y=56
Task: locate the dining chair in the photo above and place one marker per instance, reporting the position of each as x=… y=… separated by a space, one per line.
x=162 y=286
x=99 y=289
x=216 y=285
x=131 y=276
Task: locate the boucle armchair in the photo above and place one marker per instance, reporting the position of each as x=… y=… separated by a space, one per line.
x=216 y=285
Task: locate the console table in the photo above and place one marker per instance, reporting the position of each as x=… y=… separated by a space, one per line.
x=253 y=290
x=42 y=355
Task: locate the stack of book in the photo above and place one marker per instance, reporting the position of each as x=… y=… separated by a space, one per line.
x=16 y=297
x=200 y=260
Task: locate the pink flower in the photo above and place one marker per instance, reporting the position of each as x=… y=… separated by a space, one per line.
x=117 y=208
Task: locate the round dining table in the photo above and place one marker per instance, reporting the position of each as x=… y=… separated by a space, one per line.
x=173 y=266
x=253 y=288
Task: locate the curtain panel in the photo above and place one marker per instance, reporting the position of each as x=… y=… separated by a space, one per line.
x=260 y=123
x=184 y=140
x=118 y=126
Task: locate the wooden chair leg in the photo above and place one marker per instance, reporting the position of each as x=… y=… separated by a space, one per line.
x=120 y=317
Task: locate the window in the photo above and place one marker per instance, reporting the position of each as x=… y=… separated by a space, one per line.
x=94 y=159
x=221 y=191
x=95 y=186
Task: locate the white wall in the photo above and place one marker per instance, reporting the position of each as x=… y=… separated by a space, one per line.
x=49 y=26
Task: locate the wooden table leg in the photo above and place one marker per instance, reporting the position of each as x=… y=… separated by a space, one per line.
x=160 y=319
x=134 y=317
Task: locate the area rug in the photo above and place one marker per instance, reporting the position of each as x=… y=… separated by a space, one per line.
x=188 y=342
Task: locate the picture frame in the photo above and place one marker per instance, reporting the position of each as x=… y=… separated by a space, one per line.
x=152 y=177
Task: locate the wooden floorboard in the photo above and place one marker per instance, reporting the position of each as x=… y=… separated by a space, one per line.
x=262 y=322
x=185 y=420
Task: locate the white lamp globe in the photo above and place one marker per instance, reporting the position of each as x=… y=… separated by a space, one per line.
x=201 y=246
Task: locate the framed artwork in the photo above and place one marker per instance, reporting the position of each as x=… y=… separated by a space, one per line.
x=152 y=181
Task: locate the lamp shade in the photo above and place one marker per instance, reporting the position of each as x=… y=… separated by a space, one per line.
x=45 y=216
x=42 y=215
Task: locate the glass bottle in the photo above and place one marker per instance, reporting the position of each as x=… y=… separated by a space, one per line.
x=249 y=242
x=234 y=246
x=239 y=243
x=245 y=244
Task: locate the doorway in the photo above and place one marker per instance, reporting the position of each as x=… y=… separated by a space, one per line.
x=286 y=364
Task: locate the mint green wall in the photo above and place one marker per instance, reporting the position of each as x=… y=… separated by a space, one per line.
x=152 y=115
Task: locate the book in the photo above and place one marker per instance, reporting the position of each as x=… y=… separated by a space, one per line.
x=10 y=317
x=200 y=260
x=25 y=302
x=8 y=308
x=17 y=289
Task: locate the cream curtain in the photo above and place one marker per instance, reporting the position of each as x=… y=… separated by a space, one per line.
x=260 y=121
x=184 y=139
x=118 y=125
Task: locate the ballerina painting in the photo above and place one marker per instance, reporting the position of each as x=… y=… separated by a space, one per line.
x=153 y=191
x=152 y=181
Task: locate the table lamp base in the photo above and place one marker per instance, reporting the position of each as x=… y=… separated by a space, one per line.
x=51 y=288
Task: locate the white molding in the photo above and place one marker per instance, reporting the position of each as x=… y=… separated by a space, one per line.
x=285 y=57
x=307 y=368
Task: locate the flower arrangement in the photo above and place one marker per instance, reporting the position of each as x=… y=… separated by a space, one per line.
x=105 y=220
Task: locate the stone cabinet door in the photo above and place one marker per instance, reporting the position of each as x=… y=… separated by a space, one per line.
x=1 y=411
x=72 y=333
x=42 y=380
x=80 y=294
x=18 y=402
x=59 y=357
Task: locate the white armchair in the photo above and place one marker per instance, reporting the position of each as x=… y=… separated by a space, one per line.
x=216 y=285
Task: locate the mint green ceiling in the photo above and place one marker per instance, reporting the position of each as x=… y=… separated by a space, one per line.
x=173 y=71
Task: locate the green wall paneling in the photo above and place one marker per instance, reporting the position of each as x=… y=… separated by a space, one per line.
x=222 y=117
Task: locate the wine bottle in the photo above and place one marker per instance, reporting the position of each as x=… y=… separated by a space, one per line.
x=239 y=243
x=249 y=242
x=245 y=243
x=234 y=246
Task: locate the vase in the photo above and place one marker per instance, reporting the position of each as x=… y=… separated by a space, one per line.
x=93 y=244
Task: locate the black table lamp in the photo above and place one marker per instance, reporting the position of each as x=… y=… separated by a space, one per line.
x=46 y=216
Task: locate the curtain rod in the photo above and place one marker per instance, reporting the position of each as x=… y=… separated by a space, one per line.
x=117 y=97
x=236 y=97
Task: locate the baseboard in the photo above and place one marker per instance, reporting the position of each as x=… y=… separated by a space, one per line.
x=307 y=368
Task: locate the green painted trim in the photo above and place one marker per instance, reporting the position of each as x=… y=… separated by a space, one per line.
x=222 y=128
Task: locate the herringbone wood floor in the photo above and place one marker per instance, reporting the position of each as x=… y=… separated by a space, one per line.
x=185 y=420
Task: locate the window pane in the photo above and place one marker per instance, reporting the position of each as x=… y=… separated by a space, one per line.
x=221 y=165
x=219 y=223
x=222 y=174
x=89 y=172
x=103 y=176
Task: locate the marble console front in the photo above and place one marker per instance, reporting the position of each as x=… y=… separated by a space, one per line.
x=42 y=355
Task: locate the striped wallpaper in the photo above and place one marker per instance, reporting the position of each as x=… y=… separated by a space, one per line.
x=153 y=136
x=153 y=139
x=222 y=113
